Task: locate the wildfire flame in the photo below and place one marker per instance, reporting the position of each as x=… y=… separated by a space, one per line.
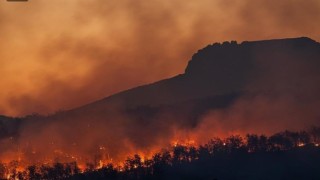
x=19 y=159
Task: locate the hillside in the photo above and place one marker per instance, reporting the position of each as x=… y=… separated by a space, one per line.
x=244 y=85
x=227 y=70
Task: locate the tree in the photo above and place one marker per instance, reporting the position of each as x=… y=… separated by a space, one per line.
x=304 y=137
x=12 y=167
x=263 y=143
x=133 y=166
x=234 y=143
x=193 y=153
x=180 y=154
x=215 y=145
x=280 y=141
x=161 y=162
x=315 y=134
x=252 y=142
x=133 y=163
x=33 y=173
x=3 y=171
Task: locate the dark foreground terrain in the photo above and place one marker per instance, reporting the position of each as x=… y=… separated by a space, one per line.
x=285 y=155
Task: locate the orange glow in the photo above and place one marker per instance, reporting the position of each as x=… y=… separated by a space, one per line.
x=102 y=159
x=110 y=47
x=58 y=55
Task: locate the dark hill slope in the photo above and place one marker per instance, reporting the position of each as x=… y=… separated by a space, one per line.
x=215 y=77
x=221 y=69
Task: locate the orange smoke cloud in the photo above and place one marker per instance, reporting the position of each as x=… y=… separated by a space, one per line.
x=62 y=54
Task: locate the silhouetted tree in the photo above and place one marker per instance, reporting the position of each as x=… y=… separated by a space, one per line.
x=33 y=173
x=280 y=141
x=3 y=171
x=256 y=143
x=109 y=172
x=215 y=146
x=46 y=172
x=134 y=166
x=12 y=167
x=252 y=142
x=193 y=153
x=304 y=137
x=90 y=167
x=234 y=143
x=280 y=155
x=315 y=134
x=22 y=175
x=180 y=154
x=161 y=162
x=263 y=143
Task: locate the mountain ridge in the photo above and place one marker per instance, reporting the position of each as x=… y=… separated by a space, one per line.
x=181 y=78
x=216 y=77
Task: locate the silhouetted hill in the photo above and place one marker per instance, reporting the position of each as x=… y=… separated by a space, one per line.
x=227 y=69
x=221 y=69
x=215 y=78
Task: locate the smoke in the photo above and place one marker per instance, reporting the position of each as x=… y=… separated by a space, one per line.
x=59 y=55
x=63 y=54
x=86 y=140
x=259 y=115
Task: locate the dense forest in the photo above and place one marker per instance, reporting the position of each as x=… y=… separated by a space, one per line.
x=285 y=155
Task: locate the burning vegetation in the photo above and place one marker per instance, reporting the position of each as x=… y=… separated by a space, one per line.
x=289 y=151
x=260 y=87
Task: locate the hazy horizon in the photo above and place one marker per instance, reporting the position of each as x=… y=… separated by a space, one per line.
x=63 y=54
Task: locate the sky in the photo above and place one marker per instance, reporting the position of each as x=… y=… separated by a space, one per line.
x=61 y=54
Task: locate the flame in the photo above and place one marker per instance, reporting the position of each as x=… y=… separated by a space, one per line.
x=101 y=157
x=187 y=142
